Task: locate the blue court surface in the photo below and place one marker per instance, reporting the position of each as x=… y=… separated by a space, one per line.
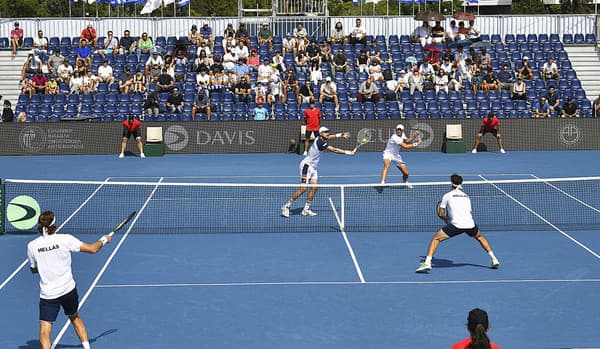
x=327 y=289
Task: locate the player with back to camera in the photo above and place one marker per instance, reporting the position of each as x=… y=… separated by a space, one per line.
x=478 y=325
x=455 y=210
x=308 y=169
x=130 y=128
x=392 y=153
x=50 y=256
x=490 y=124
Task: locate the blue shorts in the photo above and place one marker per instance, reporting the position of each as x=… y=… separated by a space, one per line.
x=452 y=231
x=49 y=307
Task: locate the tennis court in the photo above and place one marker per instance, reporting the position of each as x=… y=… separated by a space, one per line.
x=186 y=274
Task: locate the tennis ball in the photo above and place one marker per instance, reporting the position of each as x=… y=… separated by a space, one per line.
x=364 y=140
x=23 y=212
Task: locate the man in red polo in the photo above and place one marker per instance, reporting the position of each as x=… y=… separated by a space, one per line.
x=130 y=128
x=89 y=34
x=491 y=124
x=312 y=118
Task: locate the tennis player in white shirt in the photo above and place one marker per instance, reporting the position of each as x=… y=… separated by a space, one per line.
x=50 y=256
x=392 y=153
x=455 y=210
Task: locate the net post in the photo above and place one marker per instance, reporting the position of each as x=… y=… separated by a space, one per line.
x=342 y=209
x=2 y=207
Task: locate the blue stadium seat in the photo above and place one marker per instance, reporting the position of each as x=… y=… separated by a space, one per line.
x=579 y=39
x=567 y=38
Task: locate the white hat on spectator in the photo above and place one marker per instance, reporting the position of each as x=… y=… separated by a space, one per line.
x=328 y=79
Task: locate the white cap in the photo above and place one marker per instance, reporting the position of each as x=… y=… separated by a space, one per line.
x=323 y=129
x=525 y=57
x=402 y=71
x=328 y=79
x=400 y=127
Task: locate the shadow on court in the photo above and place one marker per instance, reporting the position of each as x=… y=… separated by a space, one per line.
x=447 y=263
x=35 y=344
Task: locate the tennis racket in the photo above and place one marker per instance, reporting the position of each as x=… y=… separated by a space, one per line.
x=364 y=136
x=122 y=224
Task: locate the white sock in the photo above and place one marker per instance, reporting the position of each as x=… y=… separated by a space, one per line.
x=491 y=253
x=86 y=345
x=288 y=204
x=428 y=259
x=382 y=182
x=307 y=206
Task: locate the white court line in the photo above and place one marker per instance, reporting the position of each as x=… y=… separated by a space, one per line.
x=567 y=194
x=57 y=230
x=544 y=220
x=342 y=283
x=112 y=255
x=348 y=245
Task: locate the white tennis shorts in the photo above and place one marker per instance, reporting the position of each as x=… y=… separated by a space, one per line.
x=307 y=172
x=396 y=158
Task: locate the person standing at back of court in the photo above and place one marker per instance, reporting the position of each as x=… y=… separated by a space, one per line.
x=312 y=118
x=50 y=256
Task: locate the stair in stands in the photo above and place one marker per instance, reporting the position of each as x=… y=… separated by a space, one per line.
x=10 y=73
x=586 y=62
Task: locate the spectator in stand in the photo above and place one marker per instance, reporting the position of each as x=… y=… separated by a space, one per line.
x=265 y=36
x=54 y=62
x=139 y=82
x=289 y=44
x=301 y=37
x=76 y=83
x=110 y=47
x=553 y=100
x=455 y=79
x=415 y=81
x=276 y=88
x=306 y=93
x=52 y=86
x=243 y=90
x=228 y=34
x=474 y=33
x=437 y=34
x=325 y=52
x=40 y=45
x=241 y=69
x=476 y=81
x=570 y=109
x=240 y=50
x=64 y=72
x=40 y=83
x=253 y=60
x=337 y=34
x=489 y=81
x=519 y=91
x=375 y=70
x=175 y=102
x=265 y=71
x=478 y=325
x=486 y=60
x=278 y=63
x=550 y=70
x=446 y=65
x=154 y=60
x=206 y=33
x=180 y=55
x=32 y=65
x=261 y=91
x=448 y=55
x=362 y=61
x=339 y=63
x=542 y=109
x=89 y=35
x=202 y=62
x=290 y=81
x=315 y=73
x=126 y=44
x=126 y=80
x=302 y=63
x=16 y=38
x=90 y=82
x=194 y=36
x=80 y=67
x=506 y=78
x=242 y=35
x=402 y=82
x=169 y=64
x=421 y=34
x=461 y=56
x=466 y=69
x=368 y=91
x=260 y=112
x=151 y=104
x=154 y=74
x=441 y=81
x=357 y=34
x=144 y=45
x=312 y=51
x=201 y=103
x=105 y=73
x=427 y=70
x=165 y=82
x=312 y=119
x=596 y=109
x=229 y=61
x=434 y=59
x=7 y=112
x=329 y=93
x=84 y=53
x=463 y=32
x=525 y=72
x=22 y=117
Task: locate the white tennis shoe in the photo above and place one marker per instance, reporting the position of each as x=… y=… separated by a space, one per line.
x=308 y=212
x=142 y=155
x=424 y=267
x=285 y=211
x=502 y=151
x=474 y=151
x=304 y=154
x=121 y=156
x=495 y=263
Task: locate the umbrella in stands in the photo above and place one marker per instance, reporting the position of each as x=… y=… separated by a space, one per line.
x=430 y=16
x=463 y=16
x=411 y=59
x=482 y=44
x=432 y=48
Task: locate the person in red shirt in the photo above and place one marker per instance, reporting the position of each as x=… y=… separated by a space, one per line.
x=16 y=38
x=478 y=325
x=312 y=118
x=89 y=34
x=130 y=128
x=491 y=124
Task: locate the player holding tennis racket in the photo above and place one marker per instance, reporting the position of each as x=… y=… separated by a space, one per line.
x=308 y=170
x=455 y=210
x=50 y=256
x=392 y=153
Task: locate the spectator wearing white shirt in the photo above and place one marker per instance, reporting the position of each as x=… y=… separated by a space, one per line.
x=337 y=34
x=358 y=35
x=289 y=44
x=202 y=78
x=550 y=70
x=446 y=66
x=240 y=50
x=110 y=47
x=452 y=32
x=90 y=82
x=76 y=83
x=265 y=72
x=64 y=72
x=315 y=73
x=203 y=47
x=441 y=81
x=375 y=70
x=329 y=92
x=229 y=61
x=40 y=45
x=154 y=60
x=105 y=73
x=276 y=94
x=368 y=91
x=278 y=62
x=401 y=83
x=421 y=33
x=301 y=37
x=427 y=70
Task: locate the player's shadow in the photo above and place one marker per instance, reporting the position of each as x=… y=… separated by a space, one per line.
x=447 y=263
x=35 y=344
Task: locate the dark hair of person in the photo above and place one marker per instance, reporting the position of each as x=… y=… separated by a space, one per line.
x=477 y=323
x=45 y=221
x=456 y=180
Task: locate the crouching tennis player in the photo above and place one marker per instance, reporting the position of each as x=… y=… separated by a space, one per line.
x=50 y=256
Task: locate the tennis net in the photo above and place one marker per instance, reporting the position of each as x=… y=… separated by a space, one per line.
x=187 y=208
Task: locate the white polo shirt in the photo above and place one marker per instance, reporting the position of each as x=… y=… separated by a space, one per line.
x=458 y=208
x=51 y=255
